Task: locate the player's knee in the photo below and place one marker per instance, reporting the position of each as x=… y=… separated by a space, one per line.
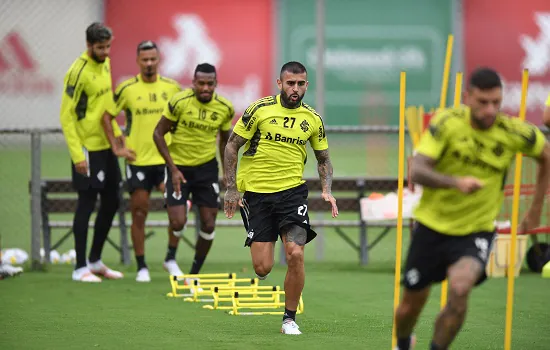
x=295 y=255
x=138 y=216
x=208 y=227
x=110 y=203
x=177 y=223
x=408 y=309
x=262 y=268
x=459 y=288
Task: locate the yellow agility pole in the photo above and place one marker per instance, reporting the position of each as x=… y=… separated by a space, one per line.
x=514 y=227
x=442 y=102
x=456 y=103
x=401 y=175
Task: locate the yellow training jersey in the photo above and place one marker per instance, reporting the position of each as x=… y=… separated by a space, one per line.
x=143 y=104
x=548 y=101
x=197 y=125
x=461 y=150
x=275 y=154
x=87 y=95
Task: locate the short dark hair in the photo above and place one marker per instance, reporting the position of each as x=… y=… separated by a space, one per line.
x=146 y=45
x=98 y=32
x=293 y=67
x=484 y=78
x=205 y=68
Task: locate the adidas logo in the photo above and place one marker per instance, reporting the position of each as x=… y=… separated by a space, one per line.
x=19 y=72
x=273 y=121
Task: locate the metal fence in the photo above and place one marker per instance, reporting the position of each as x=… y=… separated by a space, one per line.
x=29 y=156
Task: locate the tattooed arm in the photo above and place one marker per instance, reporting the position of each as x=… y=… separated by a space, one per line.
x=232 y=197
x=324 y=167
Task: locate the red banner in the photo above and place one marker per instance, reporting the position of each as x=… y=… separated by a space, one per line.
x=511 y=35
x=235 y=36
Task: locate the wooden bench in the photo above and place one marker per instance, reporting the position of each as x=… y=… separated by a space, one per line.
x=58 y=197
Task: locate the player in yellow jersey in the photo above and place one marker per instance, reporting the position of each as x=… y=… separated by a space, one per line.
x=461 y=163
x=87 y=95
x=142 y=98
x=546 y=113
x=276 y=130
x=194 y=117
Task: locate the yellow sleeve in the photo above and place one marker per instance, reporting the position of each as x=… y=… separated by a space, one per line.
x=72 y=89
x=434 y=139
x=530 y=139
x=548 y=101
x=318 y=138
x=172 y=109
x=247 y=124
x=119 y=99
x=228 y=123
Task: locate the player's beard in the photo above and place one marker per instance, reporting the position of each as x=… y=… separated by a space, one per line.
x=149 y=72
x=288 y=102
x=97 y=58
x=484 y=123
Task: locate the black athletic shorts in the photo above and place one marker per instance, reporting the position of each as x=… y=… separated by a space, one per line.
x=431 y=253
x=145 y=177
x=202 y=184
x=103 y=172
x=265 y=214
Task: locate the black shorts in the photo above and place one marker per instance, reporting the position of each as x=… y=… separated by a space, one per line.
x=264 y=214
x=103 y=172
x=202 y=183
x=431 y=253
x=144 y=177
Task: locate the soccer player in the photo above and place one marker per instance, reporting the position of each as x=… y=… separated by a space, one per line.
x=276 y=130
x=87 y=95
x=462 y=162
x=546 y=113
x=142 y=98
x=195 y=117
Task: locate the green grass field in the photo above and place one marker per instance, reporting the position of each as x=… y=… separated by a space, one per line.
x=346 y=305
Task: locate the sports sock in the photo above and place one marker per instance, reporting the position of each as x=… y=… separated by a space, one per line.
x=103 y=222
x=197 y=264
x=289 y=315
x=171 y=253
x=141 y=262
x=404 y=343
x=435 y=347
x=85 y=206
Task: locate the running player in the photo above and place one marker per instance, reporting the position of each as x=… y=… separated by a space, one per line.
x=195 y=117
x=276 y=130
x=462 y=162
x=142 y=98
x=87 y=94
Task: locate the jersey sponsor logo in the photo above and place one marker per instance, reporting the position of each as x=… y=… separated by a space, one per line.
x=148 y=111
x=19 y=71
x=194 y=125
x=475 y=162
x=281 y=138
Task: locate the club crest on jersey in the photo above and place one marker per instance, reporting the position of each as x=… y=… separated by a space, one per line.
x=305 y=126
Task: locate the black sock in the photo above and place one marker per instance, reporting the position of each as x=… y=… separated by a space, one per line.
x=171 y=253
x=404 y=343
x=197 y=264
x=289 y=315
x=103 y=222
x=85 y=206
x=435 y=347
x=141 y=262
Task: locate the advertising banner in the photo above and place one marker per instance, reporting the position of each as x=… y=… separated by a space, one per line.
x=235 y=36
x=510 y=37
